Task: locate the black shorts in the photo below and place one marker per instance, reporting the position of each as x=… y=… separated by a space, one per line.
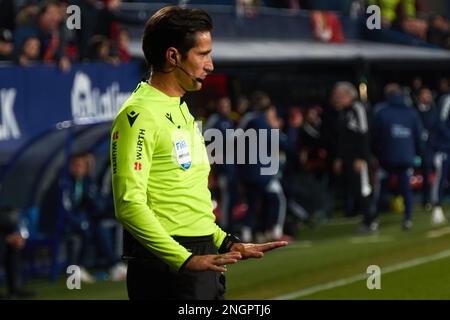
x=152 y=279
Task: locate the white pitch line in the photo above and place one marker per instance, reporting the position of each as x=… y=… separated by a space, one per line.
x=371 y=239
x=438 y=232
x=359 y=277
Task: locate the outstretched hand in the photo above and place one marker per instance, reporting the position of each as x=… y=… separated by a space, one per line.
x=239 y=251
x=252 y=250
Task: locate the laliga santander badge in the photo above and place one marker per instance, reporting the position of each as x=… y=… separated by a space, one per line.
x=182 y=151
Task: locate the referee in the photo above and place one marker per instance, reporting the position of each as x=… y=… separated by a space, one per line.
x=160 y=168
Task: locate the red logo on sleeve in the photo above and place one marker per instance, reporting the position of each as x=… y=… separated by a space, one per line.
x=137 y=166
x=116 y=135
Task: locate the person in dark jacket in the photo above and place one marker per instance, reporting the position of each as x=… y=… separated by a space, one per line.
x=264 y=218
x=397 y=139
x=353 y=152
x=429 y=114
x=225 y=171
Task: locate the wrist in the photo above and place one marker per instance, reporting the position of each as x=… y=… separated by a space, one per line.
x=228 y=243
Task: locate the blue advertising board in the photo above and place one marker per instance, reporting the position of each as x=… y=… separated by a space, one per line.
x=35 y=99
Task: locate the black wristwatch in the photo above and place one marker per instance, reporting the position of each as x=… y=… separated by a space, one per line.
x=228 y=242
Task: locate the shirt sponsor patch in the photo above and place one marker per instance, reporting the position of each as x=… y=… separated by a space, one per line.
x=183 y=153
x=137 y=166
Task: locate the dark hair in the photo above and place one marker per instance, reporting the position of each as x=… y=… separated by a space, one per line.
x=172 y=27
x=46 y=4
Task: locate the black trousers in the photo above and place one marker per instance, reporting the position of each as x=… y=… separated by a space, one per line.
x=10 y=259
x=152 y=279
x=354 y=193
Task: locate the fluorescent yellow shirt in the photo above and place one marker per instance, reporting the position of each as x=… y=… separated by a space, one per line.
x=160 y=174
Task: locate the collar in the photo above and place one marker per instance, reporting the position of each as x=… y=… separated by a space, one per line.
x=162 y=95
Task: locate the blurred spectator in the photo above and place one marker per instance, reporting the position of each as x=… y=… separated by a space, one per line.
x=439 y=31
x=101 y=19
x=259 y=101
x=27 y=14
x=225 y=172
x=12 y=242
x=412 y=26
x=302 y=179
x=242 y=105
x=247 y=8
x=356 y=9
x=47 y=29
x=265 y=197
x=313 y=158
x=86 y=213
x=6 y=45
x=123 y=43
x=398 y=11
x=329 y=132
x=29 y=53
x=100 y=50
x=326 y=26
x=88 y=28
x=80 y=202
x=443 y=88
x=294 y=123
x=428 y=114
x=353 y=152
x=441 y=148
x=397 y=139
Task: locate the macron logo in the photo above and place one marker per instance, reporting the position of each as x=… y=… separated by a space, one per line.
x=132 y=117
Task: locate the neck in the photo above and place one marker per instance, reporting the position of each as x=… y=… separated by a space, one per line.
x=166 y=83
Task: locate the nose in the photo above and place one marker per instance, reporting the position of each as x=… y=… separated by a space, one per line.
x=209 y=66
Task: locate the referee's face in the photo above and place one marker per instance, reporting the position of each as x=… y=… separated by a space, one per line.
x=198 y=63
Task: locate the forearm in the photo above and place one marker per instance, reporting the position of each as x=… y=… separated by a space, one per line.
x=142 y=223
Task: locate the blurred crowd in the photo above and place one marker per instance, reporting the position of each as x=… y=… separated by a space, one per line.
x=37 y=31
x=346 y=156
x=75 y=219
x=412 y=17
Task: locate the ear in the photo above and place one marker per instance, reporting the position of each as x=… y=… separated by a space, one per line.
x=172 y=56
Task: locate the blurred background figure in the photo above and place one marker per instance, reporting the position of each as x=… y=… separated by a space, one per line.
x=224 y=170
x=12 y=242
x=266 y=200
x=352 y=156
x=441 y=148
x=87 y=221
x=123 y=44
x=100 y=50
x=6 y=45
x=397 y=137
x=429 y=116
x=29 y=53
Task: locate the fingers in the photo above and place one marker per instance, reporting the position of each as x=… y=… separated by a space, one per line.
x=227 y=258
x=218 y=268
x=271 y=245
x=217 y=262
x=254 y=254
x=233 y=254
